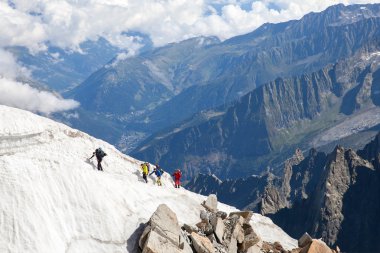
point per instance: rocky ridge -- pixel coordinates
(217, 232)
(332, 196)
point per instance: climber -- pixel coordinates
(158, 171)
(177, 177)
(99, 153)
(145, 171)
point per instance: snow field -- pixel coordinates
(53, 199)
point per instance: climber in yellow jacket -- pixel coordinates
(145, 171)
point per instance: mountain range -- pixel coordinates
(263, 127)
(186, 104)
(206, 105)
(164, 86)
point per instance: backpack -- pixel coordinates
(178, 174)
(100, 153)
(148, 167)
(159, 170)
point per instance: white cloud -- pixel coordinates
(67, 23)
(20, 29)
(120, 57)
(9, 67)
(23, 96)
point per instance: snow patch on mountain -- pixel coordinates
(370, 56)
(54, 200)
(352, 125)
(216, 178)
(265, 226)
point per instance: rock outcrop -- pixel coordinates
(163, 234)
(211, 203)
(215, 233)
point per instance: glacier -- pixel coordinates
(54, 200)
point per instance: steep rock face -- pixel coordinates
(334, 197)
(361, 207)
(277, 116)
(344, 200)
(246, 128)
(275, 197)
(340, 174)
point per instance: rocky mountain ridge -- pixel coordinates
(264, 125)
(333, 196)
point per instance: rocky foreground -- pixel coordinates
(217, 232)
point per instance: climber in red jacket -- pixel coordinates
(177, 178)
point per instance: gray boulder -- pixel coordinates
(232, 246)
(165, 222)
(144, 236)
(254, 249)
(317, 246)
(211, 203)
(250, 238)
(213, 218)
(163, 233)
(156, 243)
(238, 233)
(202, 244)
(204, 216)
(219, 230)
(305, 240)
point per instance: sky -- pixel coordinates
(68, 23)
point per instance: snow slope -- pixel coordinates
(54, 200)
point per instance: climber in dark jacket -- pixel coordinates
(99, 153)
